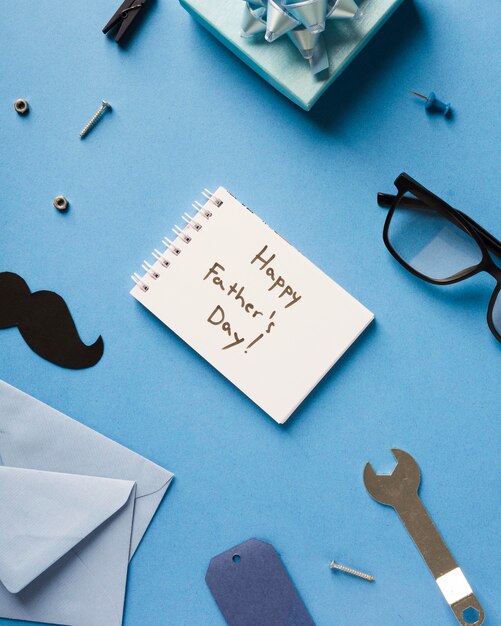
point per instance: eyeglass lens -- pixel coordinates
(431, 244)
(496, 313)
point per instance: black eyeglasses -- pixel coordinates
(438, 243)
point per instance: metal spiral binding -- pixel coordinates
(150, 270)
(181, 235)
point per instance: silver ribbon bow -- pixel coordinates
(302, 20)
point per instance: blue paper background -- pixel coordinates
(425, 377)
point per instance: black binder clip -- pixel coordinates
(124, 17)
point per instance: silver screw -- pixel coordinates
(349, 570)
(94, 119)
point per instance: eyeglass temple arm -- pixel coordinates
(387, 199)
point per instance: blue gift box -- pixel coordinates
(280, 63)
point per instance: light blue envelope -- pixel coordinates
(74, 507)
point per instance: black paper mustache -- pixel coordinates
(45, 323)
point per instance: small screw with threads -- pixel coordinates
(349, 570)
(94, 119)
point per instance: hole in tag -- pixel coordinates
(236, 558)
(471, 615)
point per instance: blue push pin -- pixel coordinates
(433, 103)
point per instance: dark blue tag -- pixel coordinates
(252, 587)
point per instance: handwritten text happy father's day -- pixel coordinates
(286, 295)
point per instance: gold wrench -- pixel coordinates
(400, 491)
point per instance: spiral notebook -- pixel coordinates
(248, 302)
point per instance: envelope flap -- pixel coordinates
(34, 435)
(43, 515)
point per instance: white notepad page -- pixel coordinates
(253, 306)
